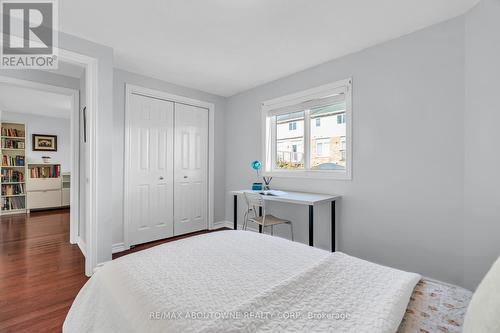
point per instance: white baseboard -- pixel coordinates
(254, 229)
(444, 283)
(230, 225)
(98, 266)
(118, 247)
(223, 224)
(83, 247)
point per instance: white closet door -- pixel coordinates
(150, 173)
(191, 166)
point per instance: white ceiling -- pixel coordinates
(228, 46)
(26, 100)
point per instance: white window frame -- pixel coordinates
(290, 103)
(319, 144)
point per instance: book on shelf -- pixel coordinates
(12, 144)
(12, 189)
(12, 132)
(17, 160)
(12, 176)
(53, 171)
(12, 203)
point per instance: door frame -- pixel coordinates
(90, 65)
(75, 147)
(134, 89)
(88, 247)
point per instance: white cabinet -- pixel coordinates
(44, 199)
(46, 186)
(66, 186)
(43, 184)
(65, 197)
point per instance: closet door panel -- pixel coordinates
(150, 169)
(191, 167)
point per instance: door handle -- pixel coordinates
(161, 177)
(185, 177)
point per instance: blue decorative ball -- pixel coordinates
(256, 165)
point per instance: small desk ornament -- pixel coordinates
(257, 165)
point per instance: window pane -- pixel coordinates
(290, 141)
(328, 145)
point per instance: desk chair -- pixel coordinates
(254, 203)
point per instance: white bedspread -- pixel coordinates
(232, 281)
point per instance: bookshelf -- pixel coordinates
(13, 171)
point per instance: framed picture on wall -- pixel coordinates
(44, 142)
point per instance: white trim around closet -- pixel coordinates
(133, 89)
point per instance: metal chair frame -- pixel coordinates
(255, 202)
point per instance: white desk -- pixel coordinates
(299, 198)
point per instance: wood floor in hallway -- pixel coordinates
(40, 271)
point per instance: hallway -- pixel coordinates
(40, 271)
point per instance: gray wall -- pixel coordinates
(45, 125)
(403, 207)
(103, 136)
(104, 55)
(482, 140)
(43, 77)
(120, 79)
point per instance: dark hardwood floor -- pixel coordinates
(161, 241)
(41, 272)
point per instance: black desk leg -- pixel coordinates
(311, 225)
(260, 214)
(235, 212)
(333, 226)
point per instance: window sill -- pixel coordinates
(309, 174)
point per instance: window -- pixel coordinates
(341, 118)
(319, 148)
(322, 148)
(290, 144)
(308, 134)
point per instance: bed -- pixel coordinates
(239, 281)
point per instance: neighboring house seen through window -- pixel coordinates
(311, 134)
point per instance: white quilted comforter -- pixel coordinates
(238, 281)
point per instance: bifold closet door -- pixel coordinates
(150, 173)
(191, 166)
